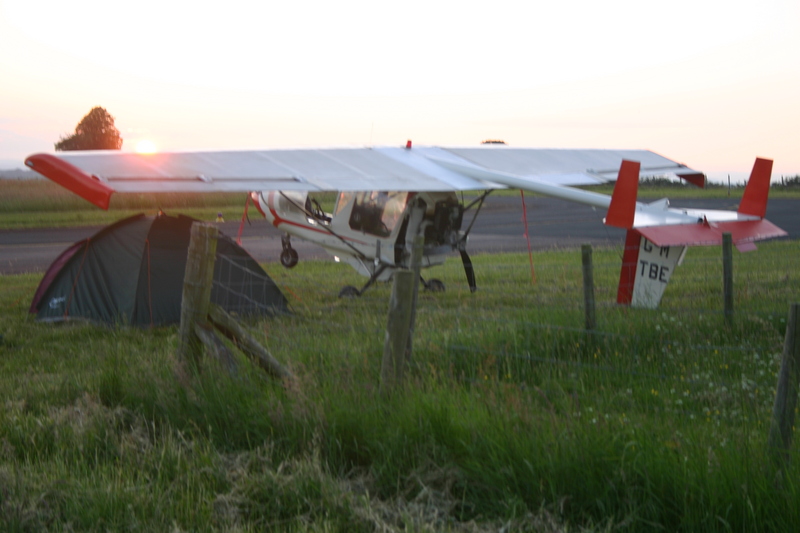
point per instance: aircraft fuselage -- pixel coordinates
(368, 229)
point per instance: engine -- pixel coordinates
(446, 222)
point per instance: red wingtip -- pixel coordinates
(72, 178)
(754, 200)
(622, 210)
(698, 179)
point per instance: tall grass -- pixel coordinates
(513, 416)
(42, 203)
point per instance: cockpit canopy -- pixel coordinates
(374, 212)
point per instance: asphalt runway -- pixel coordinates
(552, 223)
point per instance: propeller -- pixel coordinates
(461, 243)
(468, 270)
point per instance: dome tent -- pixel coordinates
(131, 272)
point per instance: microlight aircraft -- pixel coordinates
(389, 195)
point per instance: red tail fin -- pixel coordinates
(622, 210)
(627, 275)
(754, 200)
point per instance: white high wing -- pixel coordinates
(388, 195)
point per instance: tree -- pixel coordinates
(95, 131)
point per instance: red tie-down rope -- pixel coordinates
(527, 236)
(241, 225)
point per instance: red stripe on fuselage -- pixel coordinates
(277, 220)
(254, 197)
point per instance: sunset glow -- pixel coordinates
(145, 146)
(711, 83)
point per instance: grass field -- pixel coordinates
(513, 418)
(42, 203)
(46, 204)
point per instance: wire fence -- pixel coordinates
(241, 287)
(764, 284)
(682, 358)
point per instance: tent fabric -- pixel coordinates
(131, 272)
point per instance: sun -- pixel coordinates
(145, 146)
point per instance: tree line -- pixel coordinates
(95, 131)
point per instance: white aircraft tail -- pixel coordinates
(658, 235)
(646, 270)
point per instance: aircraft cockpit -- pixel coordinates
(373, 212)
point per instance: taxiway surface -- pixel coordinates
(552, 223)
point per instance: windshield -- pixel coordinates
(376, 212)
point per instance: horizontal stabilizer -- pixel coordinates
(706, 234)
(72, 178)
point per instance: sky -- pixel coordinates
(709, 83)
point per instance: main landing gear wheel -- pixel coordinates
(349, 292)
(289, 258)
(434, 285)
(289, 254)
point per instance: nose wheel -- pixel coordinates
(289, 254)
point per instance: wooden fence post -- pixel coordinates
(780, 431)
(397, 329)
(727, 274)
(588, 285)
(228, 326)
(416, 267)
(397, 347)
(196, 298)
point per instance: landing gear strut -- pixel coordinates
(348, 291)
(433, 285)
(351, 292)
(289, 254)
